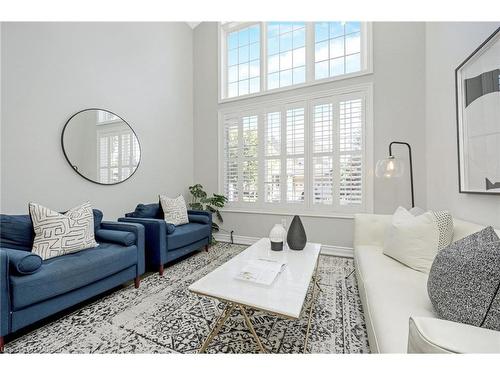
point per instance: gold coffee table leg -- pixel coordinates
(218, 325)
(311, 306)
(250, 327)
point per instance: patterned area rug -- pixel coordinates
(162, 316)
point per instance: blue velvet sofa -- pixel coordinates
(32, 289)
(167, 242)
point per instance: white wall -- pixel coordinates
(398, 115)
(141, 71)
(447, 45)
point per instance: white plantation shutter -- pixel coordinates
(231, 159)
(351, 152)
(307, 154)
(250, 162)
(295, 149)
(322, 173)
(272, 162)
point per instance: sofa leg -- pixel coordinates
(206, 248)
(161, 270)
(2, 343)
(137, 282)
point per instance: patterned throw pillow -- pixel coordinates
(174, 209)
(59, 234)
(415, 240)
(464, 280)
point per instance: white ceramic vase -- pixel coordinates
(277, 237)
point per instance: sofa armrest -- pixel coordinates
(200, 213)
(431, 335)
(4, 294)
(22, 262)
(138, 231)
(116, 236)
(369, 229)
(155, 231)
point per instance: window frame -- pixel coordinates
(224, 28)
(308, 100)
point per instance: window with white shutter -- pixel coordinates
(299, 155)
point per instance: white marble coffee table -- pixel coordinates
(284, 297)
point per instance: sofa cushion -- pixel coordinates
(59, 234)
(464, 280)
(97, 219)
(391, 292)
(69, 272)
(23, 262)
(187, 234)
(116, 236)
(147, 211)
(16, 232)
(174, 210)
(415, 240)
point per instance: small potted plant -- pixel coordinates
(201, 201)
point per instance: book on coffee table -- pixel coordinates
(261, 271)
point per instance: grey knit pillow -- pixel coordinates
(464, 280)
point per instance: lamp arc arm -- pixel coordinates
(411, 166)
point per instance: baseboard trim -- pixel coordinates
(339, 251)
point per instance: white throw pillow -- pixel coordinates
(415, 240)
(174, 210)
(58, 234)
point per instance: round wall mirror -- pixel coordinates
(101, 146)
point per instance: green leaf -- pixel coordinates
(219, 216)
(196, 206)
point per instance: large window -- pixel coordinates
(268, 56)
(304, 154)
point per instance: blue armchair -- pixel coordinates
(32, 289)
(167, 242)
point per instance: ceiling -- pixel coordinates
(193, 24)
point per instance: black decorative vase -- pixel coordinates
(296, 237)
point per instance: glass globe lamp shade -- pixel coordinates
(389, 168)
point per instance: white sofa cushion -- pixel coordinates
(59, 234)
(391, 293)
(415, 240)
(174, 210)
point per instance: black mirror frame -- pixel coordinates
(76, 169)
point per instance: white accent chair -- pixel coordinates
(398, 313)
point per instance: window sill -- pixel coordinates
(296, 87)
(333, 215)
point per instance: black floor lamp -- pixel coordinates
(393, 167)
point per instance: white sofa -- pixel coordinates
(398, 313)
